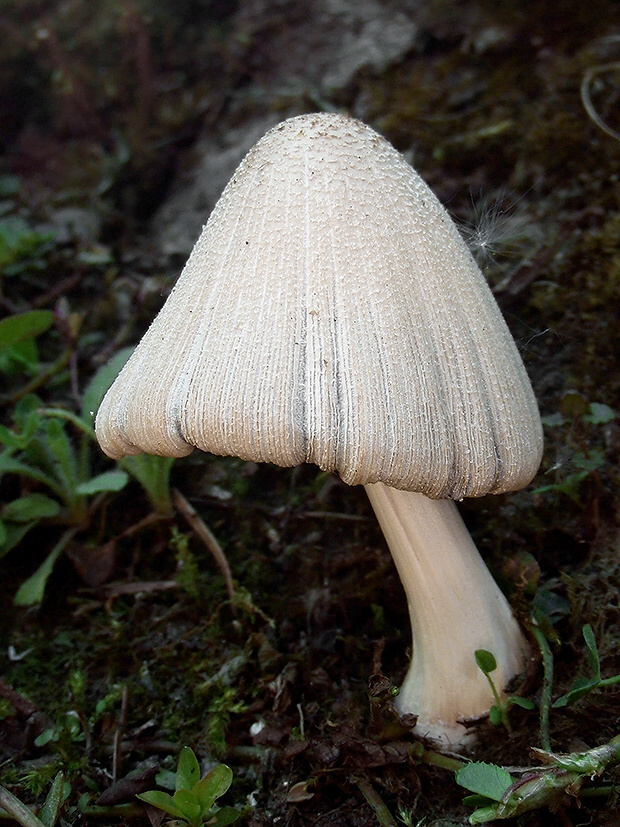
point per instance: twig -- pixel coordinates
(25, 707)
(110, 590)
(151, 518)
(150, 747)
(333, 515)
(59, 289)
(200, 529)
(118, 735)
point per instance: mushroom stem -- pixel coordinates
(455, 607)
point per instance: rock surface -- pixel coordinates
(311, 49)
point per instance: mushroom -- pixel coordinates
(331, 313)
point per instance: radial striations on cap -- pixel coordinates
(331, 313)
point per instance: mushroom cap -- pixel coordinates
(331, 313)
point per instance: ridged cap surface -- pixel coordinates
(331, 313)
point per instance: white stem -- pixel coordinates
(455, 607)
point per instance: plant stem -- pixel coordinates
(61, 413)
(17, 810)
(598, 792)
(500, 705)
(547, 687)
(373, 798)
(437, 759)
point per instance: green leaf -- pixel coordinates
(48, 735)
(593, 658)
(14, 534)
(188, 804)
(475, 800)
(592, 762)
(101, 381)
(22, 326)
(62, 449)
(582, 686)
(27, 415)
(20, 357)
(484, 815)
(32, 590)
(153, 474)
(524, 703)
(8, 438)
(594, 460)
(8, 465)
(9, 185)
(553, 420)
(495, 715)
(51, 807)
(166, 779)
(162, 801)
(485, 779)
(30, 507)
(108, 481)
(215, 783)
(20, 813)
(485, 660)
(188, 770)
(227, 815)
(19, 246)
(599, 414)
(552, 606)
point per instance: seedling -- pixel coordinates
(38, 447)
(498, 714)
(63, 734)
(499, 793)
(50, 448)
(194, 797)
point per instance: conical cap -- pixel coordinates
(331, 313)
